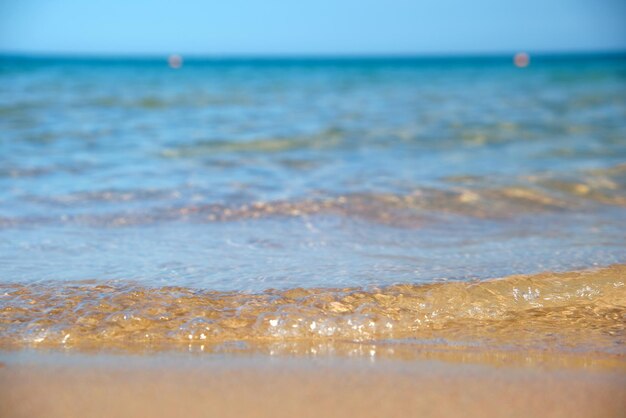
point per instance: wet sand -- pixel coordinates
(286, 387)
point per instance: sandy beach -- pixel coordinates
(283, 387)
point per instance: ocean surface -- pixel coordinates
(285, 199)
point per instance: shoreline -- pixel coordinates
(548, 344)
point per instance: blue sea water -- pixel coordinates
(248, 174)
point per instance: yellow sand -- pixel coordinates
(304, 388)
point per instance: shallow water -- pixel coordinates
(371, 177)
(567, 311)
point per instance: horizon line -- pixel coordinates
(304, 56)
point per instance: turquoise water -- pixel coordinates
(245, 174)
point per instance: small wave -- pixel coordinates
(466, 196)
(409, 210)
(573, 310)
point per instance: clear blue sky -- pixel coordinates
(310, 27)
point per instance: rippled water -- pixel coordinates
(248, 175)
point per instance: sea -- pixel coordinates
(305, 205)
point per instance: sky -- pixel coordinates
(310, 27)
